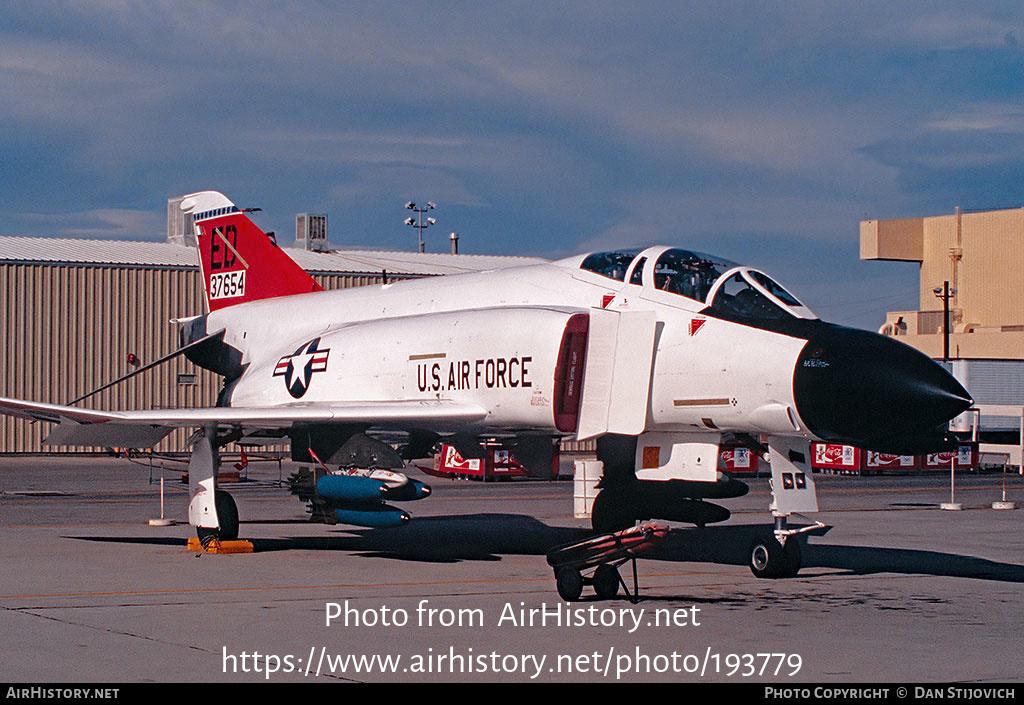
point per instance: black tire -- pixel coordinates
(794, 560)
(606, 581)
(227, 516)
(613, 511)
(570, 583)
(768, 559)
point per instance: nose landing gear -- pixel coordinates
(771, 559)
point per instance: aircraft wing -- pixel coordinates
(143, 429)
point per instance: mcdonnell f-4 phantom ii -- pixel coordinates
(658, 354)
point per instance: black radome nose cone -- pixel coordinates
(857, 387)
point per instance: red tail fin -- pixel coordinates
(240, 262)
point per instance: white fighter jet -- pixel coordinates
(657, 353)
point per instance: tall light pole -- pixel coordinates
(418, 221)
(945, 293)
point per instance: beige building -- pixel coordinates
(981, 255)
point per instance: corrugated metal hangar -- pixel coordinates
(80, 313)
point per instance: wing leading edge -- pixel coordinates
(143, 429)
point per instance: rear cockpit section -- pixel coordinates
(682, 272)
(613, 265)
(689, 274)
(727, 288)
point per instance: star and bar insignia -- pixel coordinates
(298, 368)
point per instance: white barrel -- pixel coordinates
(586, 475)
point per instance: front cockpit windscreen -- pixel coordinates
(750, 294)
(774, 289)
(738, 297)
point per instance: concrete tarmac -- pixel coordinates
(897, 592)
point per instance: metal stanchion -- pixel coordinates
(161, 521)
(952, 504)
(1003, 504)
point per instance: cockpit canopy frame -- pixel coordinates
(725, 287)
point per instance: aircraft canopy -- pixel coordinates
(725, 286)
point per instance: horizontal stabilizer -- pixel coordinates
(106, 435)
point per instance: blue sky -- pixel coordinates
(763, 132)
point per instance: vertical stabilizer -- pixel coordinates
(239, 262)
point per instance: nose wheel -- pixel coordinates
(770, 559)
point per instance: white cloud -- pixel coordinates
(964, 29)
(684, 219)
(99, 223)
(983, 117)
(400, 181)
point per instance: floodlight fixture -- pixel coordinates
(418, 222)
(945, 293)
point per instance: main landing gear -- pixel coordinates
(211, 510)
(227, 514)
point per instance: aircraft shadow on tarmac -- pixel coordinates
(486, 537)
(728, 545)
(440, 539)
